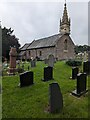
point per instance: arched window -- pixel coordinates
(40, 54)
(65, 44)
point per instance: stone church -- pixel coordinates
(59, 45)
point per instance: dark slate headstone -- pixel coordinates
(81, 85)
(75, 71)
(56, 99)
(33, 63)
(86, 67)
(26, 79)
(48, 73)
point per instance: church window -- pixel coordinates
(65, 44)
(29, 53)
(40, 54)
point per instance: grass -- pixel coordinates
(31, 102)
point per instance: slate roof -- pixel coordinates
(44, 42)
(25, 46)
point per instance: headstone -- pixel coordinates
(86, 67)
(81, 85)
(75, 71)
(51, 61)
(26, 79)
(88, 55)
(46, 61)
(85, 56)
(33, 63)
(56, 99)
(48, 73)
(13, 55)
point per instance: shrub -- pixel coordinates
(74, 62)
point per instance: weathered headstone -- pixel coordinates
(13, 55)
(86, 67)
(26, 79)
(75, 71)
(81, 85)
(56, 99)
(48, 73)
(33, 63)
(85, 56)
(88, 55)
(46, 61)
(51, 61)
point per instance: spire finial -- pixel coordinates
(65, 2)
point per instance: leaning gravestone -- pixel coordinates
(86, 67)
(51, 61)
(48, 73)
(81, 85)
(33, 63)
(75, 71)
(56, 99)
(26, 79)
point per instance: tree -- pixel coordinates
(8, 40)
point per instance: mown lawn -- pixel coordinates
(31, 102)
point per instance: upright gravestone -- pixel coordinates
(51, 61)
(88, 55)
(46, 61)
(56, 99)
(33, 63)
(81, 85)
(85, 56)
(86, 67)
(48, 73)
(26, 79)
(75, 71)
(13, 55)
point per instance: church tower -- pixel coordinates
(65, 22)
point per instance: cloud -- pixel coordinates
(33, 20)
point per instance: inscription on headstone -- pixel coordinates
(26, 79)
(48, 73)
(56, 99)
(88, 55)
(81, 85)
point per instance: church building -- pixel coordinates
(59, 45)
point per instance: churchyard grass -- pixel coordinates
(32, 101)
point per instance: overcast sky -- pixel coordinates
(34, 20)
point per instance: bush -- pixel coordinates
(20, 70)
(74, 63)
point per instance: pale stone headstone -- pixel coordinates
(51, 61)
(55, 99)
(33, 63)
(85, 56)
(88, 55)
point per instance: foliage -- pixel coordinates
(8, 40)
(31, 102)
(74, 62)
(82, 49)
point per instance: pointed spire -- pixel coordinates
(65, 21)
(65, 14)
